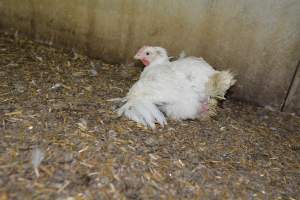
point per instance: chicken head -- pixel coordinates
(149, 55)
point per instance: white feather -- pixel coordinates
(36, 159)
(182, 55)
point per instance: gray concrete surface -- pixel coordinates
(258, 40)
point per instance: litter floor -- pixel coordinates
(61, 138)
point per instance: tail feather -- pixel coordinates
(182, 55)
(219, 83)
(143, 112)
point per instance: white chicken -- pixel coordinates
(181, 89)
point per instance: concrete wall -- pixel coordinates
(259, 40)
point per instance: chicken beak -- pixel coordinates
(137, 57)
(142, 59)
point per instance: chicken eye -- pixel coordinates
(147, 53)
